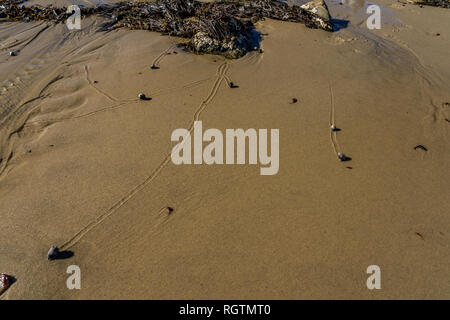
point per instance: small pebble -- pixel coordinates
(53, 253)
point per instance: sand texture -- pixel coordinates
(85, 165)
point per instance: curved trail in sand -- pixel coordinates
(220, 76)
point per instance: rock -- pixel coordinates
(225, 36)
(53, 253)
(5, 282)
(233, 49)
(203, 43)
(321, 14)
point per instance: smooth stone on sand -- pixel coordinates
(53, 253)
(5, 282)
(322, 15)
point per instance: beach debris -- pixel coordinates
(220, 27)
(154, 67)
(343, 157)
(349, 168)
(13, 53)
(420, 147)
(334, 128)
(53, 253)
(446, 104)
(294, 100)
(169, 210)
(5, 282)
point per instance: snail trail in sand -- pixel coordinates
(224, 27)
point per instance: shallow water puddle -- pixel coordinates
(355, 12)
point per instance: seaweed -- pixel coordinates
(434, 3)
(222, 27)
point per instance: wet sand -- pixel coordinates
(85, 164)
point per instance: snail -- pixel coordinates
(5, 282)
(142, 96)
(343, 157)
(53, 253)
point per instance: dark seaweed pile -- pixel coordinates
(435, 3)
(223, 21)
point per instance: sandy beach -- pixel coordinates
(86, 165)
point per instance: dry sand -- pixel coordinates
(81, 152)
